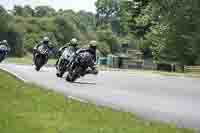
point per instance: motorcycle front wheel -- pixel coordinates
(2, 57)
(39, 62)
(71, 78)
(74, 75)
(61, 69)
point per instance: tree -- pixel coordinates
(111, 40)
(4, 18)
(134, 17)
(2, 10)
(87, 21)
(42, 11)
(15, 41)
(25, 11)
(107, 14)
(184, 21)
(18, 11)
(29, 11)
(106, 10)
(65, 30)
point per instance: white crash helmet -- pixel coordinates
(74, 41)
(93, 44)
(45, 39)
(4, 41)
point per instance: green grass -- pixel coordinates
(193, 75)
(25, 60)
(177, 74)
(26, 108)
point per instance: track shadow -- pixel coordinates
(84, 83)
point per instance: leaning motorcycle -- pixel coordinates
(63, 63)
(80, 66)
(41, 57)
(3, 52)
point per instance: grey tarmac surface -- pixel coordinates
(151, 96)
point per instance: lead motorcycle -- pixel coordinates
(3, 52)
(62, 66)
(41, 57)
(80, 66)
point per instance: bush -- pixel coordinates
(108, 38)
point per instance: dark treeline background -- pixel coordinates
(164, 30)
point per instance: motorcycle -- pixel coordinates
(41, 57)
(62, 65)
(3, 52)
(80, 66)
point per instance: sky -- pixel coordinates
(76, 5)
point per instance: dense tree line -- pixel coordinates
(24, 26)
(166, 30)
(9, 32)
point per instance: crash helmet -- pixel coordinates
(74, 42)
(93, 44)
(46, 40)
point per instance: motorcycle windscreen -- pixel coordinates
(67, 53)
(42, 49)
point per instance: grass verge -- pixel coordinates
(25, 60)
(26, 108)
(141, 71)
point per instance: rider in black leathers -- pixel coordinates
(92, 50)
(5, 47)
(72, 45)
(5, 43)
(44, 42)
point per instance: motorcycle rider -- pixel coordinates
(5, 44)
(72, 45)
(4, 49)
(92, 50)
(44, 42)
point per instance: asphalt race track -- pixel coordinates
(152, 96)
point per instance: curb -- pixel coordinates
(14, 74)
